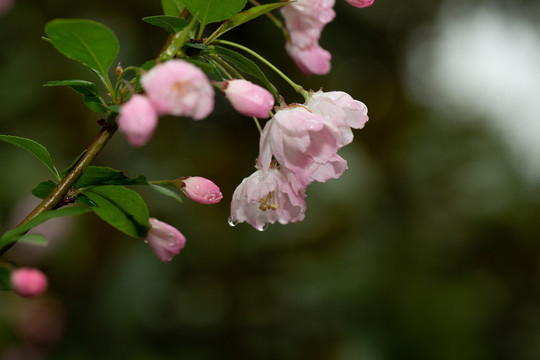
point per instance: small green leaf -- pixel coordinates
(43, 189)
(100, 175)
(177, 42)
(122, 208)
(84, 200)
(245, 16)
(208, 11)
(172, 24)
(247, 66)
(34, 238)
(5, 283)
(72, 165)
(164, 191)
(33, 147)
(13, 235)
(95, 104)
(85, 41)
(83, 87)
(172, 7)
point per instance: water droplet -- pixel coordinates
(264, 227)
(232, 222)
(145, 241)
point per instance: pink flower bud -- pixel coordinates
(360, 3)
(249, 99)
(201, 190)
(28, 282)
(138, 120)
(165, 240)
(179, 88)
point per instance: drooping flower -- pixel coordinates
(340, 113)
(138, 120)
(311, 59)
(249, 99)
(165, 240)
(296, 137)
(28, 282)
(305, 20)
(266, 196)
(200, 190)
(179, 88)
(361, 3)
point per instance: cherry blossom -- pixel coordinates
(28, 282)
(361, 3)
(200, 190)
(266, 196)
(179, 88)
(138, 120)
(165, 240)
(249, 99)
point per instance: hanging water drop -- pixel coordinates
(232, 222)
(264, 227)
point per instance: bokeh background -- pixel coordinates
(427, 248)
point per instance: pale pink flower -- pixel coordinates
(138, 120)
(320, 172)
(200, 190)
(28, 282)
(296, 138)
(179, 88)
(311, 59)
(266, 196)
(360, 3)
(340, 113)
(249, 99)
(165, 240)
(305, 20)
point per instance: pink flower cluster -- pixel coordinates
(175, 87)
(305, 20)
(303, 140)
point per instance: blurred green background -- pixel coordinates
(426, 248)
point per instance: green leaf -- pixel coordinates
(34, 238)
(13, 235)
(43, 189)
(245, 16)
(247, 66)
(203, 65)
(85, 41)
(122, 208)
(177, 42)
(95, 104)
(72, 165)
(172, 7)
(164, 191)
(84, 200)
(172, 24)
(99, 175)
(83, 87)
(33, 147)
(5, 283)
(208, 11)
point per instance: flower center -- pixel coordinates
(266, 202)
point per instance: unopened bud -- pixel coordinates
(28, 282)
(200, 190)
(249, 99)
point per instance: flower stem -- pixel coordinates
(52, 201)
(296, 87)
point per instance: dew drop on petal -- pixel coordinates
(232, 222)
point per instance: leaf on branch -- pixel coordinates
(172, 24)
(85, 41)
(83, 87)
(101, 175)
(167, 192)
(172, 7)
(208, 11)
(13, 235)
(245, 16)
(34, 238)
(122, 208)
(95, 104)
(246, 66)
(34, 148)
(43, 189)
